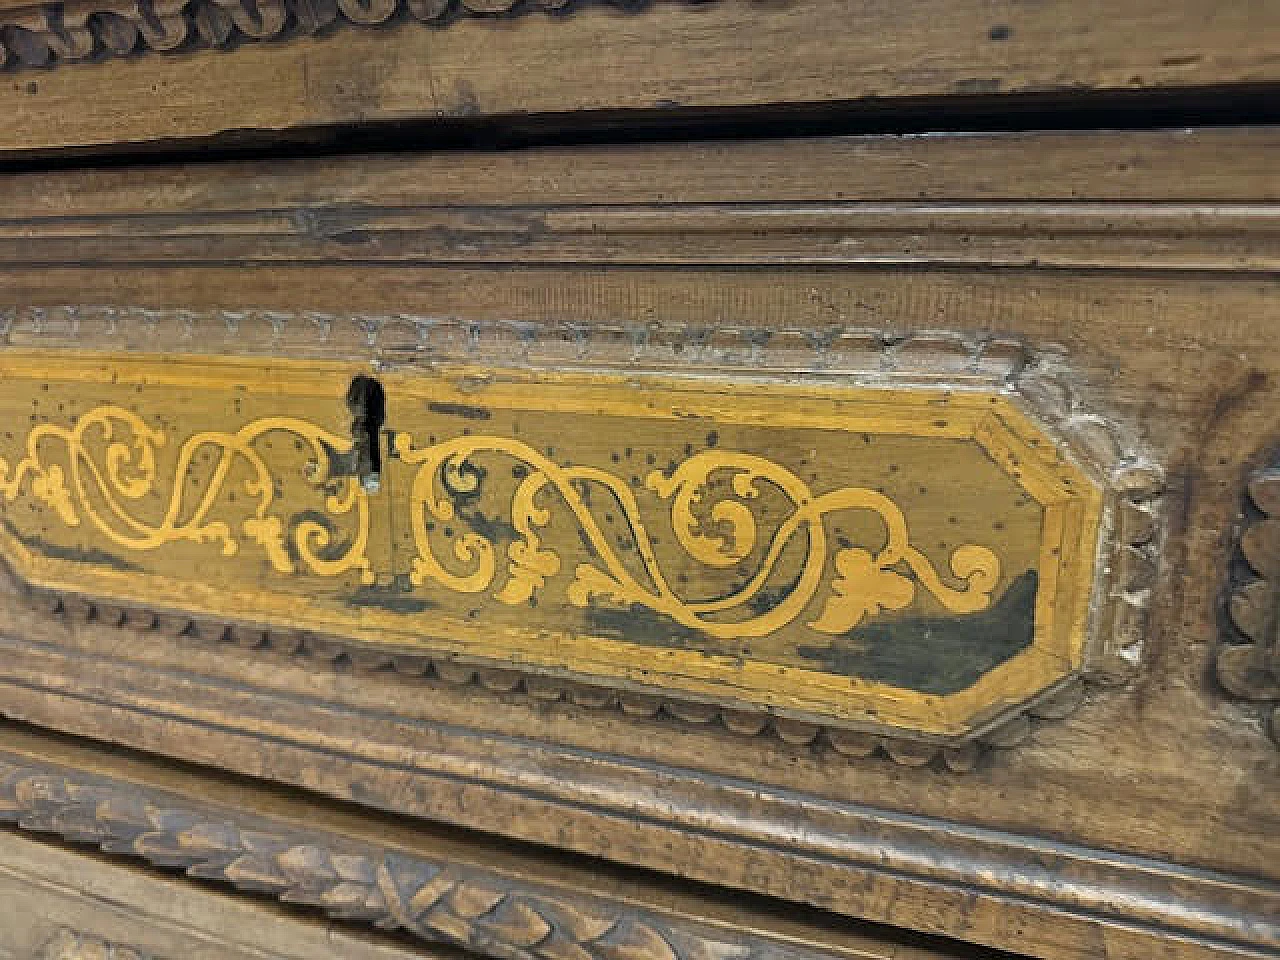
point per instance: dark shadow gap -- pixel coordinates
(1174, 108)
(368, 405)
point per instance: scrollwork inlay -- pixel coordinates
(109, 462)
(866, 582)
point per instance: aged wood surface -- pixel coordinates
(63, 903)
(437, 887)
(600, 58)
(1158, 794)
(52, 35)
(75, 30)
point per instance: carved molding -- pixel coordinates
(1134, 484)
(87, 30)
(1249, 665)
(504, 903)
(488, 912)
(1012, 728)
(1036, 234)
(278, 226)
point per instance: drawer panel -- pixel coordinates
(833, 311)
(919, 559)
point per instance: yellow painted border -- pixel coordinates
(1072, 516)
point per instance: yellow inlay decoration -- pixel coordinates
(866, 584)
(101, 491)
(914, 558)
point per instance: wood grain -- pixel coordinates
(1249, 664)
(1156, 236)
(436, 887)
(70, 905)
(660, 56)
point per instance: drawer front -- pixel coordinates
(708, 509)
(917, 560)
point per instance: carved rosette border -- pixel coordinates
(434, 900)
(52, 34)
(1132, 480)
(1248, 664)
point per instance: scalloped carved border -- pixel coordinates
(1134, 483)
(53, 34)
(1248, 665)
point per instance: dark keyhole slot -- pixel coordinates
(368, 404)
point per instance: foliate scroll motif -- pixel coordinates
(94, 471)
(909, 559)
(1251, 669)
(865, 582)
(97, 471)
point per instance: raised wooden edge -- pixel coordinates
(1248, 663)
(51, 34)
(510, 902)
(1128, 552)
(1166, 236)
(601, 66)
(1193, 202)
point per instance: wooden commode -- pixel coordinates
(660, 481)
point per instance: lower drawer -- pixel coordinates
(64, 905)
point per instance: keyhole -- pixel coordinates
(368, 405)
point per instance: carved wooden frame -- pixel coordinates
(495, 906)
(46, 671)
(1127, 550)
(510, 905)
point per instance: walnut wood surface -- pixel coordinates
(436, 887)
(599, 58)
(1158, 793)
(1250, 669)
